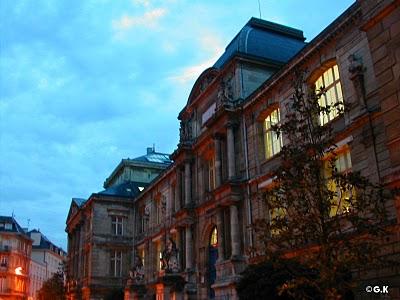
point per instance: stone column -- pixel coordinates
(217, 144)
(231, 152)
(188, 183)
(178, 190)
(235, 236)
(220, 230)
(188, 247)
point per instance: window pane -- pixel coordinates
(336, 72)
(272, 144)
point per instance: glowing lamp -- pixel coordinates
(18, 271)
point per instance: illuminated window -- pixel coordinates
(117, 225)
(272, 143)
(340, 201)
(276, 215)
(141, 254)
(330, 82)
(214, 237)
(116, 263)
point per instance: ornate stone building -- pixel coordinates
(100, 229)
(15, 254)
(205, 203)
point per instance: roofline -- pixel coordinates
(276, 27)
(155, 181)
(236, 58)
(308, 50)
(135, 163)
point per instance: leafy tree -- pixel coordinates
(53, 288)
(328, 220)
(260, 281)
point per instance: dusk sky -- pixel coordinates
(84, 84)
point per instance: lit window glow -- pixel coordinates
(330, 82)
(272, 142)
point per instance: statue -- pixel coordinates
(169, 257)
(185, 131)
(137, 272)
(225, 93)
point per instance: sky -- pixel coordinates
(85, 83)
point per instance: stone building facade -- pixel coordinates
(15, 253)
(205, 203)
(100, 229)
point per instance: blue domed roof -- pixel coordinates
(265, 40)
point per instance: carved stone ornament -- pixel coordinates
(185, 131)
(356, 70)
(169, 258)
(136, 274)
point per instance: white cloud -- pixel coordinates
(149, 20)
(208, 42)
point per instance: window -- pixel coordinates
(211, 174)
(116, 263)
(117, 225)
(330, 82)
(214, 237)
(4, 261)
(276, 216)
(340, 201)
(141, 254)
(272, 143)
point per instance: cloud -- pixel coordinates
(208, 42)
(148, 20)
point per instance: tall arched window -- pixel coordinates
(214, 237)
(272, 142)
(330, 82)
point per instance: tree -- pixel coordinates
(53, 288)
(327, 219)
(260, 281)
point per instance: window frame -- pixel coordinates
(116, 263)
(340, 204)
(332, 93)
(272, 144)
(117, 225)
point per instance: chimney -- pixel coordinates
(149, 150)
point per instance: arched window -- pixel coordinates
(214, 237)
(272, 143)
(329, 81)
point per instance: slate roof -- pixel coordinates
(127, 189)
(151, 159)
(79, 201)
(154, 157)
(14, 228)
(45, 243)
(265, 40)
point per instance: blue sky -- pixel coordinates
(84, 84)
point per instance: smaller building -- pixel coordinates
(47, 259)
(15, 253)
(100, 229)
